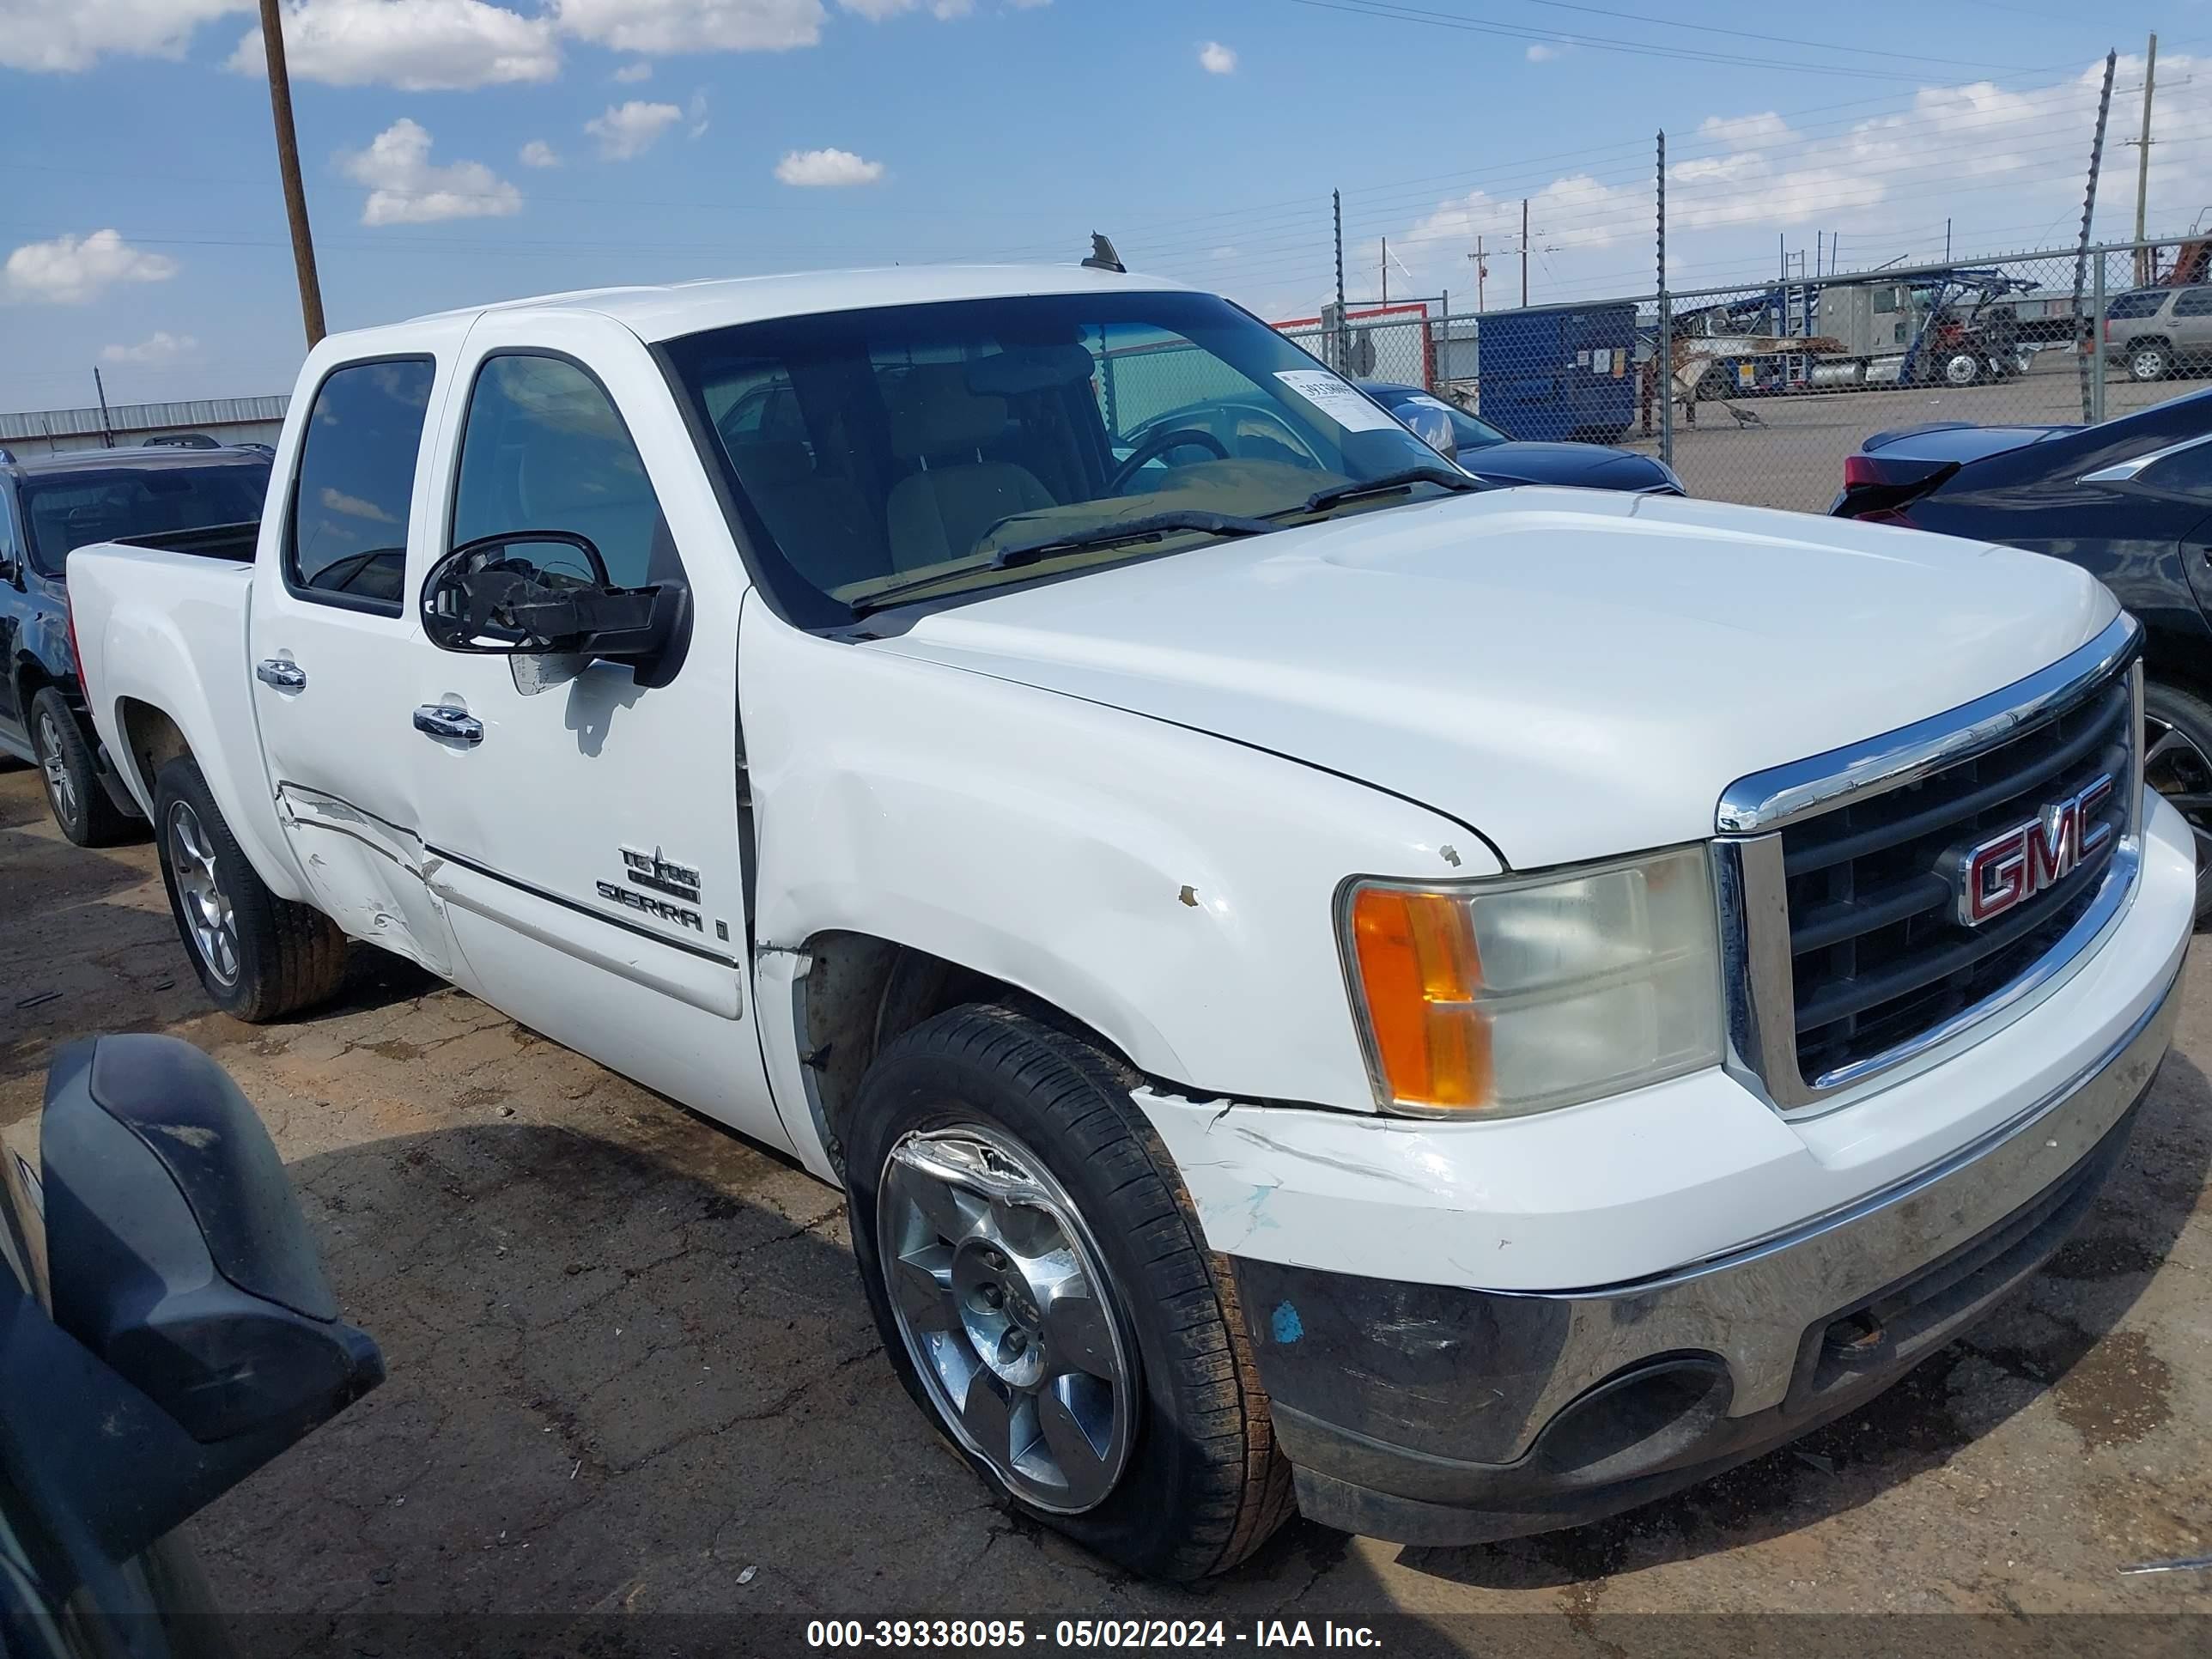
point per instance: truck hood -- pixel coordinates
(1574, 675)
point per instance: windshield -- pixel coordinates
(73, 509)
(873, 451)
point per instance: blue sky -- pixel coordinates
(142, 227)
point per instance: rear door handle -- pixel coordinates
(281, 673)
(441, 719)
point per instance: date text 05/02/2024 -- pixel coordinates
(1085, 1633)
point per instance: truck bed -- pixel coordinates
(233, 542)
(161, 634)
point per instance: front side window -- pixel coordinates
(2143, 302)
(544, 449)
(930, 450)
(2194, 302)
(73, 509)
(347, 541)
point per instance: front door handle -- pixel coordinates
(442, 719)
(281, 673)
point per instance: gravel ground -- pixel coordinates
(634, 1386)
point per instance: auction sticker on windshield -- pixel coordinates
(1335, 398)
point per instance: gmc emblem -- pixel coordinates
(2007, 870)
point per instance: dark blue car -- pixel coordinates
(1495, 458)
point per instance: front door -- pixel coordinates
(583, 827)
(332, 648)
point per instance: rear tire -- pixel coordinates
(258, 957)
(2149, 361)
(75, 793)
(1181, 1478)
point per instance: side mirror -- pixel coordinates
(1432, 424)
(542, 592)
(205, 1338)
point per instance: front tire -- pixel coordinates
(75, 793)
(1961, 368)
(1046, 1295)
(258, 957)
(2178, 763)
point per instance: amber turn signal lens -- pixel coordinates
(1419, 972)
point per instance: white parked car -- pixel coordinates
(1459, 1012)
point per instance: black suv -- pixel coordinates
(48, 505)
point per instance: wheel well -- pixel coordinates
(861, 992)
(2143, 340)
(30, 680)
(153, 738)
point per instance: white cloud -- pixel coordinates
(354, 506)
(826, 168)
(539, 154)
(1217, 59)
(416, 45)
(1544, 52)
(630, 73)
(156, 348)
(944, 11)
(61, 36)
(70, 270)
(405, 189)
(626, 131)
(667, 27)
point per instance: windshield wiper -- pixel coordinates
(1437, 473)
(1014, 554)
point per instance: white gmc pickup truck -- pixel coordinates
(1455, 1011)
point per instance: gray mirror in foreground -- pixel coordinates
(178, 1261)
(1432, 423)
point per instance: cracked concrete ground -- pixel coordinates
(630, 1361)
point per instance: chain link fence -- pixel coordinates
(1772, 385)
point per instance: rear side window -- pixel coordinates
(2193, 303)
(2186, 472)
(346, 543)
(2143, 302)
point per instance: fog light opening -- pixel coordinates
(1641, 1420)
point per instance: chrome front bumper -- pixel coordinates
(1431, 1414)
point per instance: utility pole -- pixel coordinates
(1524, 253)
(1386, 270)
(287, 164)
(1662, 348)
(1481, 272)
(2089, 349)
(2143, 274)
(106, 425)
(1946, 238)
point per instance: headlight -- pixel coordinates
(1525, 994)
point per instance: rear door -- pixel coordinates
(2192, 323)
(335, 649)
(583, 829)
(14, 605)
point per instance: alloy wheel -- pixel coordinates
(2179, 771)
(1003, 1304)
(210, 921)
(61, 787)
(2147, 365)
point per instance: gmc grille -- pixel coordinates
(1879, 954)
